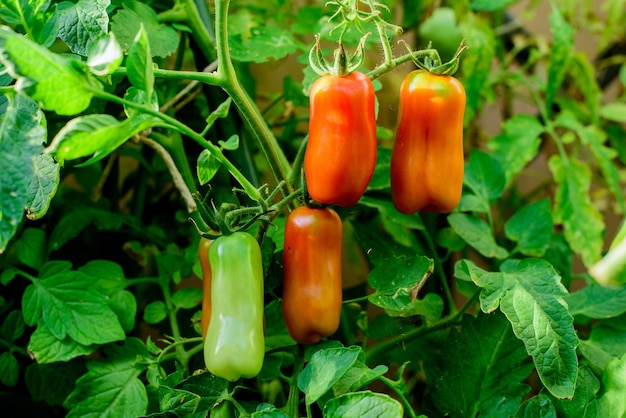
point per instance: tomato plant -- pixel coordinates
(464, 255)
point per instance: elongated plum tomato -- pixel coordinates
(203, 256)
(234, 345)
(312, 295)
(340, 155)
(427, 156)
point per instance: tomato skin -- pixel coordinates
(203, 256)
(234, 346)
(340, 154)
(427, 156)
(312, 291)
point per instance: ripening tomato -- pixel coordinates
(203, 256)
(427, 156)
(340, 154)
(312, 296)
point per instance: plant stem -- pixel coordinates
(293, 402)
(405, 402)
(249, 111)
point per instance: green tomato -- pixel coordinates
(441, 29)
(235, 343)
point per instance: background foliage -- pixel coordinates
(115, 126)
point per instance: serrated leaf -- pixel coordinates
(582, 223)
(560, 54)
(598, 302)
(264, 43)
(531, 227)
(477, 234)
(587, 386)
(22, 134)
(363, 405)
(40, 24)
(67, 304)
(112, 384)
(126, 22)
(582, 70)
(47, 349)
(55, 82)
(82, 22)
(517, 145)
(493, 363)
(529, 292)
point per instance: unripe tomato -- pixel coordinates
(312, 295)
(427, 156)
(340, 155)
(234, 346)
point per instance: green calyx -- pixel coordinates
(429, 60)
(341, 64)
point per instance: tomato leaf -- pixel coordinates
(57, 83)
(594, 301)
(484, 175)
(477, 233)
(560, 54)
(582, 223)
(481, 350)
(82, 22)
(529, 292)
(139, 64)
(364, 404)
(46, 348)
(263, 43)
(612, 401)
(112, 384)
(531, 227)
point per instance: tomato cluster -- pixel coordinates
(426, 175)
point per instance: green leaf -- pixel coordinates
(13, 326)
(602, 346)
(9, 369)
(612, 402)
(231, 144)
(67, 303)
(263, 43)
(155, 312)
(125, 24)
(324, 369)
(40, 24)
(614, 111)
(55, 82)
(364, 404)
(560, 54)
(539, 406)
(582, 223)
(531, 227)
(587, 386)
(112, 384)
(268, 411)
(583, 71)
(210, 390)
(517, 145)
(48, 349)
(386, 208)
(96, 135)
(489, 5)
(52, 383)
(43, 186)
(595, 301)
(31, 247)
(76, 220)
(381, 179)
(477, 234)
(105, 55)
(219, 113)
(187, 298)
(476, 62)
(139, 64)
(531, 295)
(484, 175)
(207, 166)
(493, 363)
(82, 22)
(22, 134)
